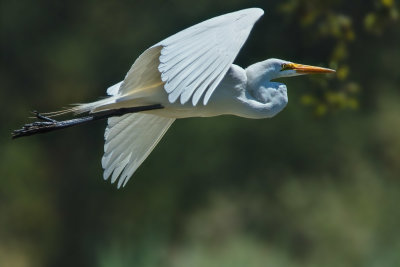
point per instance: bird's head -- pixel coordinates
(280, 68)
(273, 68)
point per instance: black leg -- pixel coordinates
(43, 118)
(47, 124)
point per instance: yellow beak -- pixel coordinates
(305, 69)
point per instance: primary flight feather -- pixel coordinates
(189, 74)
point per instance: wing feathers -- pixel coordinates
(180, 74)
(217, 40)
(191, 64)
(193, 85)
(129, 140)
(207, 84)
(184, 78)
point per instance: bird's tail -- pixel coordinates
(83, 108)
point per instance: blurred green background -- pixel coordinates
(318, 185)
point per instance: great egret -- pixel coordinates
(189, 74)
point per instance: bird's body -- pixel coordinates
(190, 74)
(232, 96)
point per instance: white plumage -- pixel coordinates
(128, 141)
(195, 60)
(191, 64)
(176, 74)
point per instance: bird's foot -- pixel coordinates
(43, 125)
(43, 118)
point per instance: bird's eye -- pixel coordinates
(284, 67)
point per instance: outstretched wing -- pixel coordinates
(194, 61)
(128, 141)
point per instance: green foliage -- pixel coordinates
(289, 191)
(333, 20)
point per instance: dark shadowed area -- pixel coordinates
(318, 185)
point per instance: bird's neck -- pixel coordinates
(259, 73)
(239, 95)
(262, 98)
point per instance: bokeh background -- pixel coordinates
(318, 185)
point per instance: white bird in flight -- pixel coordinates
(189, 74)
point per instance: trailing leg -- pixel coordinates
(46, 124)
